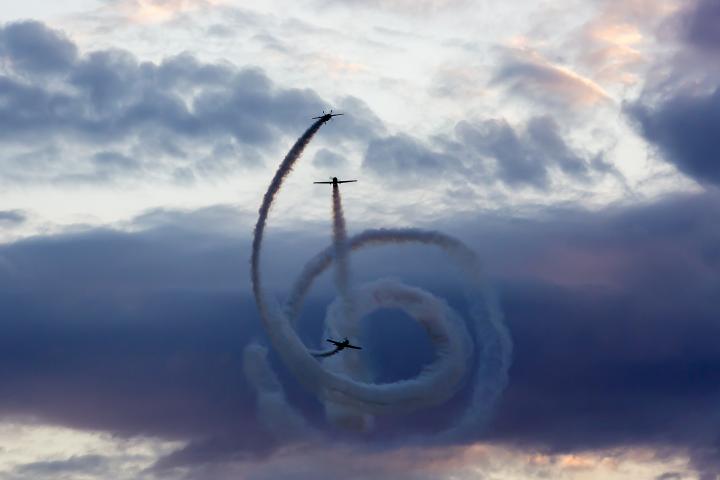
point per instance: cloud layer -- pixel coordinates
(136, 333)
(119, 116)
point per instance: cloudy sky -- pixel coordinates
(570, 143)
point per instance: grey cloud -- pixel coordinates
(516, 163)
(702, 20)
(678, 111)
(271, 42)
(402, 157)
(543, 133)
(487, 150)
(12, 217)
(221, 31)
(329, 160)
(78, 465)
(109, 100)
(33, 48)
(685, 128)
(359, 122)
(220, 220)
(114, 161)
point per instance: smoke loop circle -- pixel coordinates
(335, 383)
(339, 382)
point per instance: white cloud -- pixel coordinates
(32, 451)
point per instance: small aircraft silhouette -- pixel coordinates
(342, 345)
(335, 181)
(338, 347)
(327, 116)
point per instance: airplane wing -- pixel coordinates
(345, 181)
(333, 341)
(337, 114)
(353, 346)
(315, 118)
(329, 183)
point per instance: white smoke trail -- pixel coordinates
(283, 171)
(342, 381)
(492, 340)
(351, 363)
(273, 409)
(342, 265)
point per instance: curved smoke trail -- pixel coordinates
(343, 382)
(283, 170)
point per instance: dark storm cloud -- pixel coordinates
(94, 340)
(702, 20)
(112, 98)
(678, 111)
(677, 114)
(685, 128)
(611, 323)
(486, 150)
(613, 314)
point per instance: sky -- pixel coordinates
(570, 144)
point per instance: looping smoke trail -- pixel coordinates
(342, 381)
(492, 340)
(273, 409)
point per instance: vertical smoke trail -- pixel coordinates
(342, 268)
(342, 264)
(350, 363)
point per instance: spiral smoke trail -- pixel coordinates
(342, 381)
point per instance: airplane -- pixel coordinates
(327, 116)
(338, 347)
(343, 345)
(335, 181)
